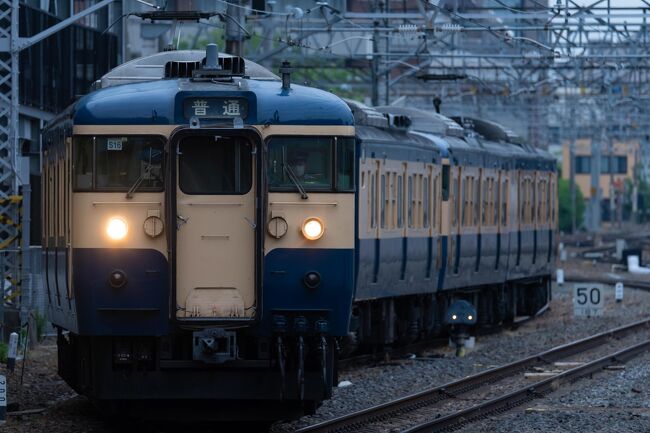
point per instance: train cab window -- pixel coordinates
(117, 163)
(344, 163)
(307, 159)
(311, 160)
(221, 167)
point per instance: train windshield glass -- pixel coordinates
(115, 163)
(311, 159)
(210, 166)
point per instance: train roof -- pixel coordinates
(424, 121)
(141, 93)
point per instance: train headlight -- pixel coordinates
(313, 229)
(116, 229)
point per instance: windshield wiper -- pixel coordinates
(139, 180)
(294, 179)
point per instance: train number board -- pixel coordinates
(588, 299)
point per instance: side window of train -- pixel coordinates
(504, 202)
(419, 214)
(425, 202)
(409, 197)
(434, 202)
(393, 200)
(549, 203)
(373, 201)
(453, 202)
(485, 203)
(476, 202)
(445, 182)
(463, 202)
(382, 218)
(400, 201)
(522, 198)
(534, 203)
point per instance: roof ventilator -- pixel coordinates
(212, 67)
(489, 130)
(398, 121)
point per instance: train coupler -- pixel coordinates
(214, 346)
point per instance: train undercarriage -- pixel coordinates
(390, 322)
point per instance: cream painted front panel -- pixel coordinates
(335, 210)
(91, 212)
(215, 259)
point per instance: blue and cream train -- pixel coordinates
(214, 235)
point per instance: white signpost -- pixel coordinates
(618, 291)
(588, 299)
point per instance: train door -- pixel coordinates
(217, 247)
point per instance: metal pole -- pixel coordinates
(374, 70)
(572, 175)
(234, 24)
(594, 200)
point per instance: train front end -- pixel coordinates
(199, 239)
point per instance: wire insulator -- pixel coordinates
(450, 28)
(407, 28)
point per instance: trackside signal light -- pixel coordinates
(116, 229)
(313, 229)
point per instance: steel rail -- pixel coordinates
(385, 411)
(527, 393)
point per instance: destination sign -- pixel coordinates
(216, 108)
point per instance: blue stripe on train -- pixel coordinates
(140, 308)
(285, 293)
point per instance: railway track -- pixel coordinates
(401, 411)
(392, 354)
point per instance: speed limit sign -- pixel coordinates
(588, 299)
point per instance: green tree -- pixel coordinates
(564, 199)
